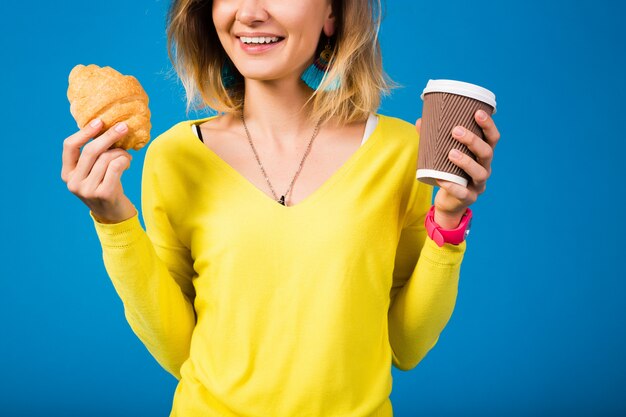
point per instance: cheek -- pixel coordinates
(223, 15)
(304, 24)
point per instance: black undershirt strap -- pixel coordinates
(199, 133)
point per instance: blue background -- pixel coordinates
(539, 326)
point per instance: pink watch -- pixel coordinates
(453, 236)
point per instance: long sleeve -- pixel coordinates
(151, 272)
(425, 283)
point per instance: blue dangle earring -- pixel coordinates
(315, 72)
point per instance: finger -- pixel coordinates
(418, 125)
(476, 171)
(113, 176)
(96, 175)
(95, 148)
(492, 135)
(72, 145)
(481, 149)
(464, 194)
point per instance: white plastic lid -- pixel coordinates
(461, 88)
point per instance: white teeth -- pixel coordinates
(261, 39)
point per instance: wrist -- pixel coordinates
(448, 221)
(117, 217)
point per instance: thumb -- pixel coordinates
(418, 125)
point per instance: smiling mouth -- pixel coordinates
(260, 40)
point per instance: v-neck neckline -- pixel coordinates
(309, 199)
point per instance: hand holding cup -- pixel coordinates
(456, 151)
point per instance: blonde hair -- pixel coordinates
(198, 57)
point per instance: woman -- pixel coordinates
(285, 264)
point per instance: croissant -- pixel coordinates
(113, 97)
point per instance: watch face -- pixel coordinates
(469, 225)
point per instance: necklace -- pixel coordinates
(280, 200)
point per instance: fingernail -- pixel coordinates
(454, 154)
(482, 115)
(95, 123)
(121, 127)
(459, 131)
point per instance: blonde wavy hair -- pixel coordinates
(198, 57)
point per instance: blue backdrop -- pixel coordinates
(539, 326)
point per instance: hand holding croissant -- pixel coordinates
(112, 109)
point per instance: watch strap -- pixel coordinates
(452, 236)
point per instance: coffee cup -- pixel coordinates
(449, 103)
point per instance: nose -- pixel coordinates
(251, 11)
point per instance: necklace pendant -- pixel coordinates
(282, 200)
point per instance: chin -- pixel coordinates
(260, 76)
